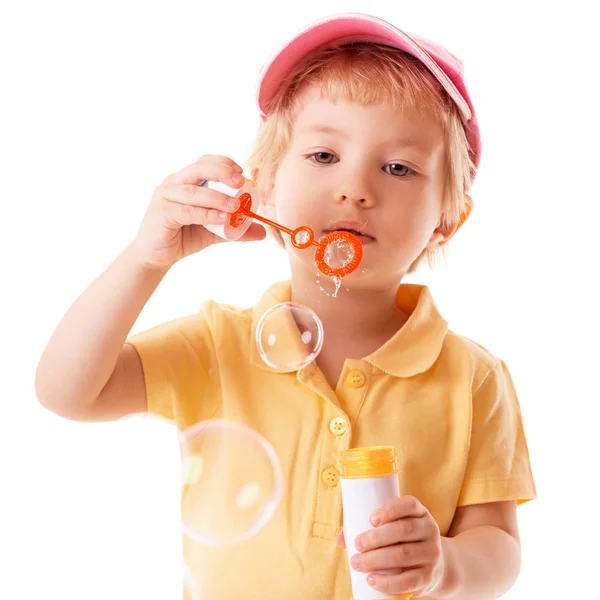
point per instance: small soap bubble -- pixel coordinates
(232, 482)
(301, 237)
(289, 336)
(338, 254)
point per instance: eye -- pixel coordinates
(398, 170)
(323, 158)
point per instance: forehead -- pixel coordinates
(316, 114)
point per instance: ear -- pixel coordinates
(439, 237)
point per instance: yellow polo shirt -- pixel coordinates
(446, 404)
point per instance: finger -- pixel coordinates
(340, 540)
(407, 583)
(178, 215)
(409, 529)
(199, 172)
(255, 233)
(410, 554)
(198, 196)
(397, 508)
(226, 162)
(219, 158)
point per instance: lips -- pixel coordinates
(355, 228)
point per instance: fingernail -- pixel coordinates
(358, 544)
(375, 520)
(237, 178)
(371, 580)
(355, 561)
(222, 215)
(231, 202)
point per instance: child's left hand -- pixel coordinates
(406, 542)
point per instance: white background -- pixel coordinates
(100, 101)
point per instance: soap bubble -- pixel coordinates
(338, 254)
(289, 336)
(232, 482)
(302, 237)
(191, 589)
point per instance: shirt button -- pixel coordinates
(355, 378)
(330, 477)
(338, 426)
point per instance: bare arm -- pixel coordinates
(86, 371)
(482, 553)
(82, 353)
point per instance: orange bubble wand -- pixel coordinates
(303, 237)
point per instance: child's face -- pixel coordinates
(375, 166)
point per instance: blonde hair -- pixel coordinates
(368, 73)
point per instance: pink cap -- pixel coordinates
(356, 27)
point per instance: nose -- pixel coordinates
(363, 202)
(355, 190)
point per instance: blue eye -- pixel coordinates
(323, 158)
(398, 170)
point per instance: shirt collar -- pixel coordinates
(413, 349)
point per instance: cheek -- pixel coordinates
(412, 223)
(283, 190)
(284, 209)
(293, 204)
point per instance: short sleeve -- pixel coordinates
(498, 465)
(178, 359)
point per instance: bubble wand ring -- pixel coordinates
(303, 237)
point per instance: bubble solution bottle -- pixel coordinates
(225, 230)
(369, 478)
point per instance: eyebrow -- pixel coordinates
(322, 129)
(317, 128)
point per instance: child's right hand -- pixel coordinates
(172, 227)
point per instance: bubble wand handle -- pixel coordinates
(290, 232)
(244, 211)
(266, 221)
(303, 237)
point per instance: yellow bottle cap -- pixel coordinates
(370, 461)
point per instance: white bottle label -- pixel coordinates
(360, 497)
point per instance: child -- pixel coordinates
(369, 130)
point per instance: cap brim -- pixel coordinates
(346, 28)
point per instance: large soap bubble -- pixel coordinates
(232, 482)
